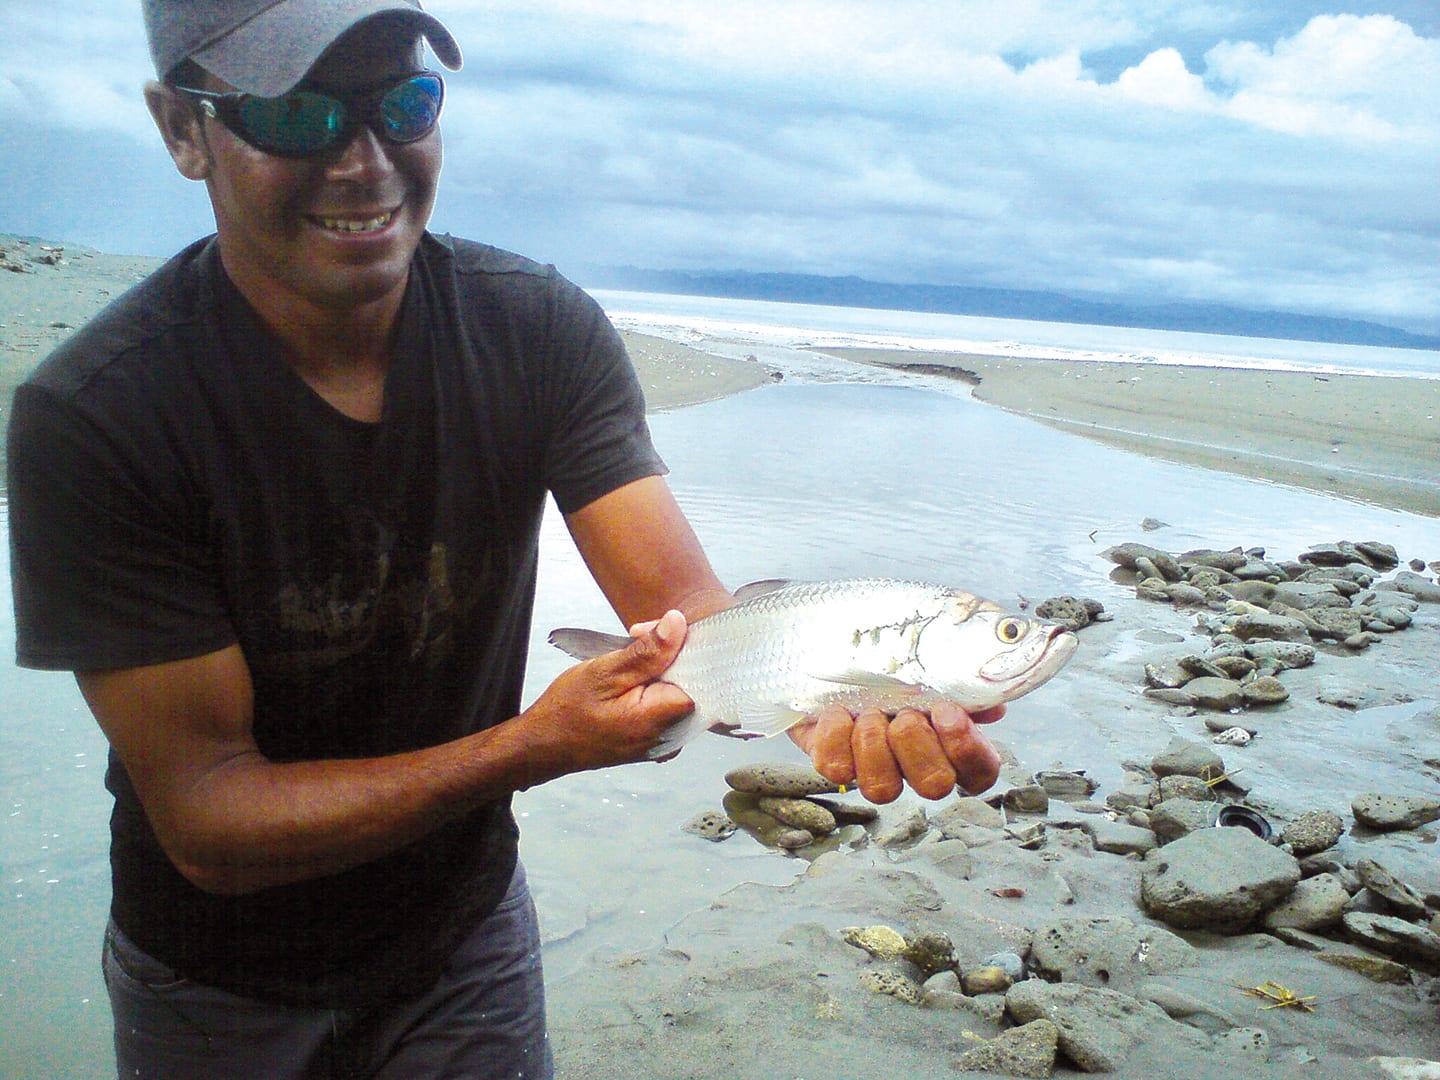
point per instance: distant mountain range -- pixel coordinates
(1007, 304)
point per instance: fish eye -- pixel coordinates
(1010, 630)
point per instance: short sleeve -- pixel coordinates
(600, 439)
(109, 566)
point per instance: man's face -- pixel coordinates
(336, 231)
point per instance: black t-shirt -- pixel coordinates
(176, 488)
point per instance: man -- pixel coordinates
(277, 508)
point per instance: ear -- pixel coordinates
(181, 129)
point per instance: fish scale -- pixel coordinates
(786, 650)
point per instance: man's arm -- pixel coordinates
(232, 821)
(646, 559)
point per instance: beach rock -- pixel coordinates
(1394, 895)
(1216, 879)
(1396, 618)
(1380, 555)
(1394, 937)
(1186, 758)
(1120, 838)
(1063, 784)
(779, 780)
(966, 811)
(1310, 596)
(908, 829)
(1396, 1068)
(1097, 1027)
(1345, 695)
(792, 839)
(1028, 799)
(1228, 561)
(711, 825)
(1233, 666)
(1028, 1050)
(1316, 903)
(1312, 831)
(1257, 569)
(1262, 626)
(1180, 786)
(1069, 611)
(1413, 584)
(1131, 555)
(1008, 962)
(1336, 624)
(881, 942)
(1165, 676)
(1331, 554)
(893, 984)
(990, 979)
(1375, 968)
(848, 813)
(1182, 595)
(1106, 952)
(1265, 690)
(1393, 813)
(1287, 654)
(1153, 589)
(931, 952)
(1174, 818)
(1233, 736)
(799, 814)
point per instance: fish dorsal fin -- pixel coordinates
(586, 644)
(761, 588)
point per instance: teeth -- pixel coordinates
(352, 225)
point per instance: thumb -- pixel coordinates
(653, 649)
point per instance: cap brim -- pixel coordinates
(271, 53)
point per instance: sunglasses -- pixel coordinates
(304, 122)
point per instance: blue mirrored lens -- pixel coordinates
(408, 111)
(301, 122)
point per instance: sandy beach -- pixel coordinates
(761, 982)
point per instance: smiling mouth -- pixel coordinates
(354, 225)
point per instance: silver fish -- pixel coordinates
(788, 649)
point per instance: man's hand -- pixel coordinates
(932, 753)
(612, 709)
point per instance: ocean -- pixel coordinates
(818, 477)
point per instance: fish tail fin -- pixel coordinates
(586, 644)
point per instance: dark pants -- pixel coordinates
(485, 1017)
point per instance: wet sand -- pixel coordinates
(1371, 438)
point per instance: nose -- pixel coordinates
(363, 157)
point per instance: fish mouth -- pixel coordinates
(1025, 668)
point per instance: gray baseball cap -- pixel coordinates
(265, 47)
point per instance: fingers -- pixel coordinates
(977, 763)
(653, 648)
(933, 754)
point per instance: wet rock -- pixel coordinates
(1027, 1050)
(1396, 618)
(793, 839)
(1316, 903)
(1247, 1044)
(1233, 666)
(1119, 838)
(1097, 1027)
(1288, 654)
(1174, 818)
(1262, 626)
(1336, 624)
(779, 780)
(1413, 584)
(848, 813)
(894, 984)
(1348, 696)
(1266, 690)
(908, 829)
(881, 942)
(1130, 556)
(799, 814)
(1310, 595)
(1258, 569)
(966, 811)
(989, 979)
(1165, 676)
(1228, 561)
(1312, 831)
(1375, 968)
(1180, 786)
(1182, 595)
(1070, 612)
(1392, 813)
(1114, 953)
(1028, 799)
(1064, 784)
(932, 953)
(1379, 555)
(1394, 895)
(1186, 758)
(1396, 1068)
(711, 825)
(1394, 937)
(1216, 879)
(1233, 736)
(1008, 962)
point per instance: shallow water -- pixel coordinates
(805, 481)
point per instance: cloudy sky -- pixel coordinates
(1269, 153)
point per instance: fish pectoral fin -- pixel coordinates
(766, 719)
(861, 679)
(586, 644)
(761, 588)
